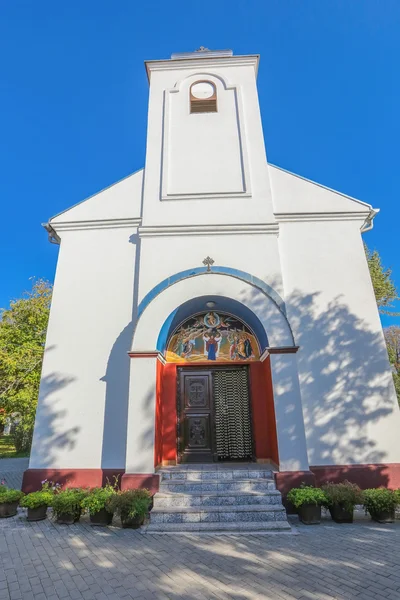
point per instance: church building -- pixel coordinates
(213, 308)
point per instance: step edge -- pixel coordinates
(233, 508)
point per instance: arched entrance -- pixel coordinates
(215, 397)
(152, 416)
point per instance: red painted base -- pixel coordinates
(32, 480)
(131, 481)
(366, 476)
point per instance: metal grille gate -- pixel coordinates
(232, 414)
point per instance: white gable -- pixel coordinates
(294, 194)
(121, 200)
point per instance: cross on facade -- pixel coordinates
(208, 262)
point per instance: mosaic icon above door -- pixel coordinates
(212, 336)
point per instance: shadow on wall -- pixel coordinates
(113, 453)
(344, 378)
(45, 448)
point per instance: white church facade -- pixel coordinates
(212, 307)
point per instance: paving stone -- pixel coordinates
(325, 562)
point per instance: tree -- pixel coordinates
(384, 287)
(22, 339)
(392, 337)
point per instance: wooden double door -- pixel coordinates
(214, 415)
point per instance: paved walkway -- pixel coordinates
(44, 561)
(12, 470)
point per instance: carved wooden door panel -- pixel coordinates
(195, 419)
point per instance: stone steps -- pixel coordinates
(173, 500)
(216, 499)
(244, 527)
(219, 514)
(212, 475)
(223, 485)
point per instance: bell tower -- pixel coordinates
(205, 155)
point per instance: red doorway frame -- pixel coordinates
(262, 402)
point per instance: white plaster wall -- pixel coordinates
(258, 207)
(85, 376)
(162, 256)
(122, 200)
(141, 416)
(203, 152)
(294, 194)
(349, 403)
(292, 447)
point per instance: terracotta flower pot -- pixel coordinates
(340, 515)
(8, 509)
(310, 514)
(102, 518)
(383, 516)
(37, 514)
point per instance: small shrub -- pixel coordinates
(36, 499)
(377, 500)
(345, 494)
(97, 499)
(306, 495)
(68, 502)
(9, 495)
(130, 504)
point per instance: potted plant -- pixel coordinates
(67, 505)
(131, 505)
(381, 504)
(308, 501)
(95, 503)
(38, 502)
(341, 500)
(9, 500)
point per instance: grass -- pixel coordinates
(7, 448)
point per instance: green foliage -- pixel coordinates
(68, 502)
(9, 495)
(396, 381)
(97, 499)
(22, 338)
(392, 337)
(42, 498)
(36, 499)
(384, 287)
(130, 504)
(380, 499)
(7, 448)
(345, 494)
(306, 495)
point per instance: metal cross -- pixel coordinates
(208, 262)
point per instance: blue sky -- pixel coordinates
(73, 103)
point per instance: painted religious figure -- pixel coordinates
(212, 336)
(212, 341)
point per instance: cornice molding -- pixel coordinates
(323, 216)
(147, 354)
(176, 230)
(96, 224)
(283, 350)
(200, 62)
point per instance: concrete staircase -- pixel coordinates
(217, 498)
